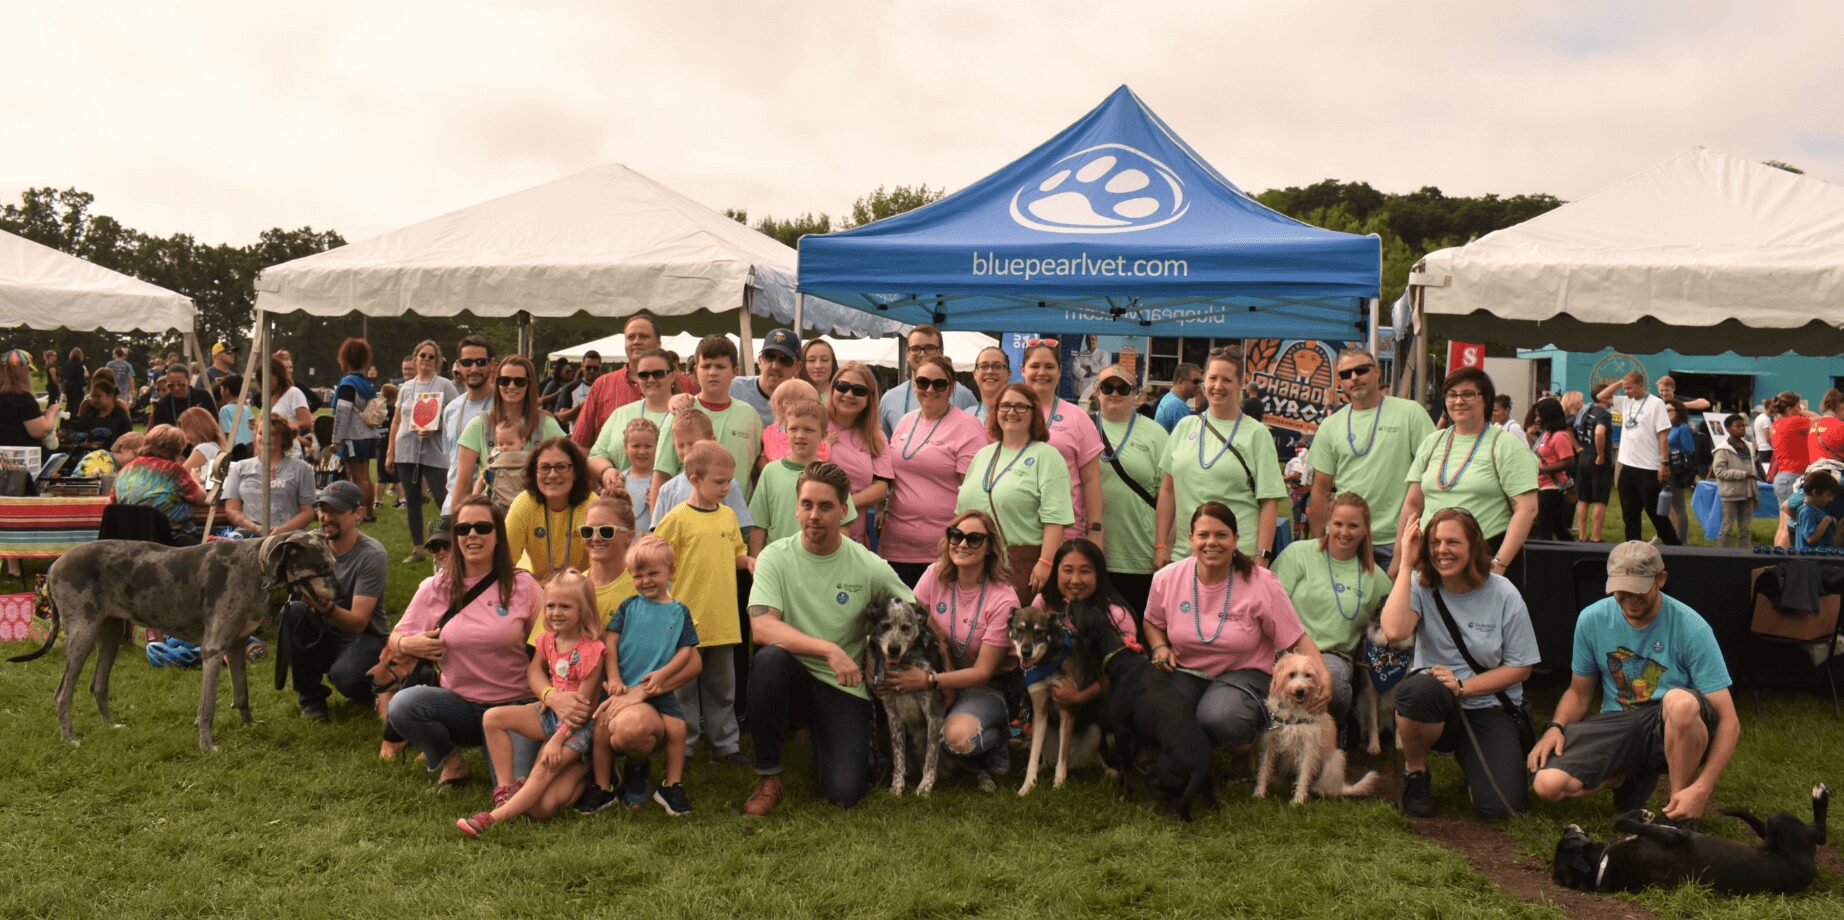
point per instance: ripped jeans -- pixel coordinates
(986, 706)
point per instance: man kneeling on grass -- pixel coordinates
(804, 609)
(1665, 702)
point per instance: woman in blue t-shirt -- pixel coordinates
(1675, 497)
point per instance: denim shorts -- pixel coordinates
(578, 741)
(667, 705)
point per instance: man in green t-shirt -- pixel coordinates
(1366, 447)
(804, 611)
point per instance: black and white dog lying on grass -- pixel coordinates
(1660, 855)
(898, 636)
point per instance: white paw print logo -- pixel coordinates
(1107, 188)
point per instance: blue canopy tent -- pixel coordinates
(1113, 227)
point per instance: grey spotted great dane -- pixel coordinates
(214, 594)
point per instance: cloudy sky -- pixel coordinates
(224, 118)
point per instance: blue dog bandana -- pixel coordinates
(1387, 666)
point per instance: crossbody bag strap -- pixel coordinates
(1453, 629)
(472, 594)
(1233, 452)
(1114, 461)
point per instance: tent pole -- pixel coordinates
(1421, 349)
(229, 438)
(745, 351)
(800, 310)
(262, 446)
(524, 337)
(1371, 344)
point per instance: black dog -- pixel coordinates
(1658, 854)
(1143, 706)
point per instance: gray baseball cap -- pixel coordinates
(1633, 567)
(342, 496)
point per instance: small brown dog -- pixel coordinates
(386, 679)
(1302, 741)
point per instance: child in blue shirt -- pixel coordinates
(1814, 528)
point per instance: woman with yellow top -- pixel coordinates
(1220, 455)
(541, 524)
(1023, 482)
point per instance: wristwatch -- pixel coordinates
(1094, 527)
(1268, 554)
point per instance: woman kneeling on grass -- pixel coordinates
(569, 658)
(1451, 566)
(481, 648)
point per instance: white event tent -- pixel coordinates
(608, 242)
(43, 288)
(1703, 253)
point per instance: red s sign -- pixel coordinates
(1464, 354)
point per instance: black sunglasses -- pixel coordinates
(605, 531)
(1357, 371)
(856, 389)
(506, 381)
(1114, 386)
(957, 536)
(474, 362)
(425, 356)
(933, 383)
(649, 375)
(777, 358)
(478, 527)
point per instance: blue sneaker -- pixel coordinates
(636, 782)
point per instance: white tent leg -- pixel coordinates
(800, 311)
(745, 348)
(261, 448)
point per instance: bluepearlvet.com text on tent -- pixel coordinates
(993, 265)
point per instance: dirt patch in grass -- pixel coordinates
(1494, 854)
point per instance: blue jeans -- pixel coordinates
(986, 706)
(438, 720)
(330, 654)
(1383, 553)
(778, 684)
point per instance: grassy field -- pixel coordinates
(300, 817)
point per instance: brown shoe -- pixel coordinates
(764, 797)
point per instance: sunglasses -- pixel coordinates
(425, 356)
(957, 536)
(776, 358)
(650, 375)
(1114, 386)
(1357, 371)
(856, 389)
(604, 531)
(924, 384)
(474, 362)
(478, 527)
(506, 381)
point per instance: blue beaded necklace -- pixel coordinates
(1204, 422)
(973, 621)
(1197, 615)
(907, 453)
(1338, 590)
(1351, 437)
(989, 480)
(1440, 478)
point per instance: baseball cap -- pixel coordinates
(783, 341)
(439, 534)
(220, 348)
(343, 495)
(1633, 567)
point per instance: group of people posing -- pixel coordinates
(610, 606)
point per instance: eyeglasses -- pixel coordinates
(511, 382)
(1014, 408)
(925, 350)
(602, 531)
(992, 366)
(425, 356)
(856, 389)
(957, 536)
(924, 384)
(1357, 371)
(650, 375)
(1462, 395)
(1114, 386)
(554, 469)
(474, 362)
(777, 358)
(477, 527)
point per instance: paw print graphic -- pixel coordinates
(1108, 188)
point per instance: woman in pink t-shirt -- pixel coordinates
(857, 441)
(1240, 617)
(968, 594)
(1079, 572)
(929, 453)
(481, 650)
(1072, 434)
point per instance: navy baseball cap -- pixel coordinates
(783, 341)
